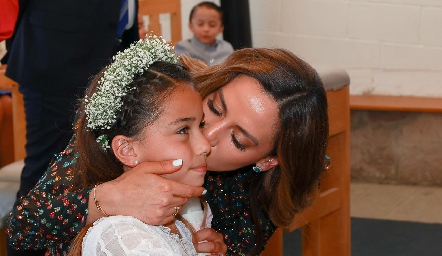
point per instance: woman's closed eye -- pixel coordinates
(237, 143)
(212, 108)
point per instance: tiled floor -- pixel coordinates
(396, 202)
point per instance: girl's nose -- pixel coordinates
(203, 146)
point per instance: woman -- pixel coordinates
(266, 120)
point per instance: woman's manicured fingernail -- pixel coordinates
(177, 162)
(204, 192)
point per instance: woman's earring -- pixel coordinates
(257, 169)
(327, 163)
(136, 162)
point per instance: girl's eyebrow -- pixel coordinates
(181, 120)
(223, 103)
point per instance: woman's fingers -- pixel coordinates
(142, 193)
(167, 167)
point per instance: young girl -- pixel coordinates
(143, 107)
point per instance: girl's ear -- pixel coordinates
(124, 150)
(267, 163)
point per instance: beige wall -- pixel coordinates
(387, 46)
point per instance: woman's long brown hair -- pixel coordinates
(299, 143)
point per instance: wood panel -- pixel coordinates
(153, 9)
(3, 242)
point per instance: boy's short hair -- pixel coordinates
(209, 5)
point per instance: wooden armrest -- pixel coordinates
(395, 103)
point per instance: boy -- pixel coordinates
(206, 23)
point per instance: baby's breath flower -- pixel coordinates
(103, 141)
(103, 106)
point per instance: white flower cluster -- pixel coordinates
(103, 106)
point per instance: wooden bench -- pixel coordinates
(395, 103)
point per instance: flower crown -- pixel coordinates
(102, 107)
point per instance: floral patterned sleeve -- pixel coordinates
(53, 213)
(229, 201)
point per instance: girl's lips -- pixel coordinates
(201, 168)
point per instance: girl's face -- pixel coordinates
(240, 124)
(177, 134)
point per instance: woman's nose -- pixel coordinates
(212, 132)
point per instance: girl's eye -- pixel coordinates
(184, 130)
(237, 144)
(212, 108)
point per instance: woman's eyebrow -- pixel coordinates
(223, 102)
(248, 135)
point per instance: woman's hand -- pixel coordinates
(143, 194)
(207, 240)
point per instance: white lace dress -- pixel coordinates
(124, 235)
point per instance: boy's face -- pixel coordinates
(206, 25)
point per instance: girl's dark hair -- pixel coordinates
(301, 139)
(208, 5)
(141, 106)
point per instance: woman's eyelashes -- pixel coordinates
(237, 143)
(217, 112)
(212, 108)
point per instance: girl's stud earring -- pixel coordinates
(257, 169)
(136, 162)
